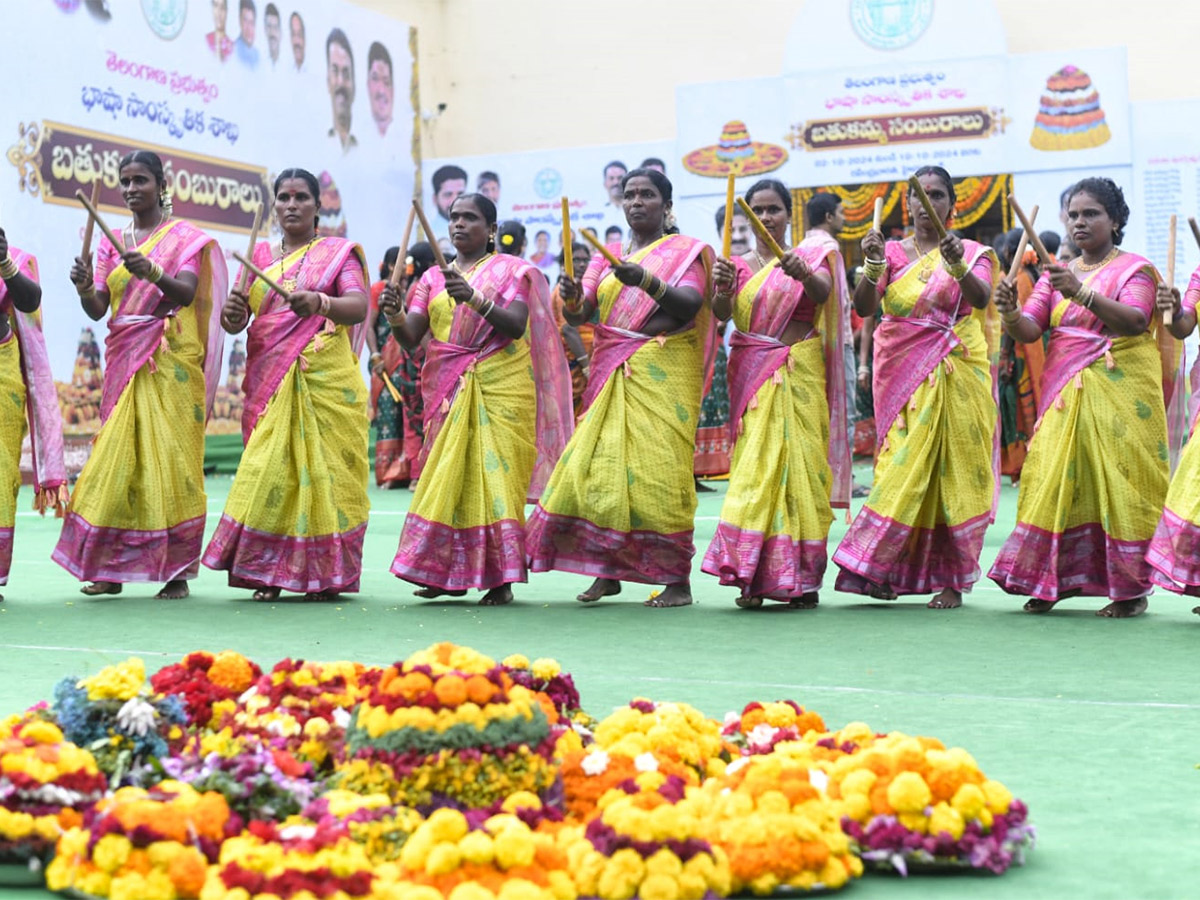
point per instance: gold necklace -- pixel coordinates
(475, 265)
(290, 284)
(1081, 266)
(162, 217)
(926, 261)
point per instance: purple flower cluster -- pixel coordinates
(607, 841)
(885, 843)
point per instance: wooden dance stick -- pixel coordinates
(1015, 267)
(1195, 230)
(727, 228)
(258, 217)
(1169, 315)
(601, 249)
(259, 273)
(90, 228)
(877, 221)
(1042, 252)
(437, 251)
(401, 266)
(915, 183)
(108, 232)
(567, 242)
(759, 228)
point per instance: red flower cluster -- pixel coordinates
(318, 882)
(189, 680)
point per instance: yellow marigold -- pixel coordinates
(998, 797)
(443, 859)
(111, 852)
(664, 862)
(514, 847)
(446, 825)
(471, 890)
(95, 882)
(860, 781)
(969, 800)
(622, 874)
(122, 681)
(546, 669)
(517, 661)
(946, 818)
(15, 826)
(914, 822)
(42, 732)
(477, 848)
(659, 887)
(908, 793)
(129, 886)
(520, 889)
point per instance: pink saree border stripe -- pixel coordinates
(255, 559)
(454, 559)
(1044, 564)
(779, 567)
(1174, 555)
(125, 555)
(571, 544)
(6, 548)
(878, 550)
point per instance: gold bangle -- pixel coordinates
(660, 292)
(156, 273)
(958, 271)
(9, 269)
(647, 279)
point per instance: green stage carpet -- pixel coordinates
(1094, 723)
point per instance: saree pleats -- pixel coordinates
(12, 433)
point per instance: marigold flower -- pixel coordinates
(908, 793)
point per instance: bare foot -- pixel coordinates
(601, 587)
(320, 596)
(96, 588)
(173, 590)
(749, 602)
(948, 598)
(1037, 607)
(1196, 610)
(429, 593)
(1123, 609)
(882, 592)
(672, 595)
(805, 601)
(266, 595)
(497, 596)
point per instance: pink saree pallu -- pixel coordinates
(1174, 552)
(497, 415)
(25, 378)
(621, 501)
(1094, 481)
(791, 455)
(296, 515)
(138, 509)
(922, 528)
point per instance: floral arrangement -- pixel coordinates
(674, 730)
(466, 737)
(257, 780)
(461, 855)
(760, 726)
(777, 828)
(142, 843)
(546, 678)
(268, 862)
(203, 679)
(646, 842)
(46, 783)
(587, 775)
(116, 716)
(371, 820)
(908, 800)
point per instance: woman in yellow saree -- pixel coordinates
(620, 505)
(921, 529)
(297, 513)
(138, 509)
(787, 387)
(25, 377)
(495, 356)
(1094, 482)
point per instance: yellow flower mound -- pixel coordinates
(908, 793)
(122, 681)
(446, 657)
(674, 730)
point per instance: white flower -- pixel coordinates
(297, 832)
(761, 734)
(740, 763)
(136, 716)
(595, 763)
(818, 779)
(646, 763)
(341, 718)
(732, 718)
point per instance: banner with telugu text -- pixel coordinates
(228, 97)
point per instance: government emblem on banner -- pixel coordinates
(890, 24)
(165, 17)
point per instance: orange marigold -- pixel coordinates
(479, 690)
(187, 872)
(451, 690)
